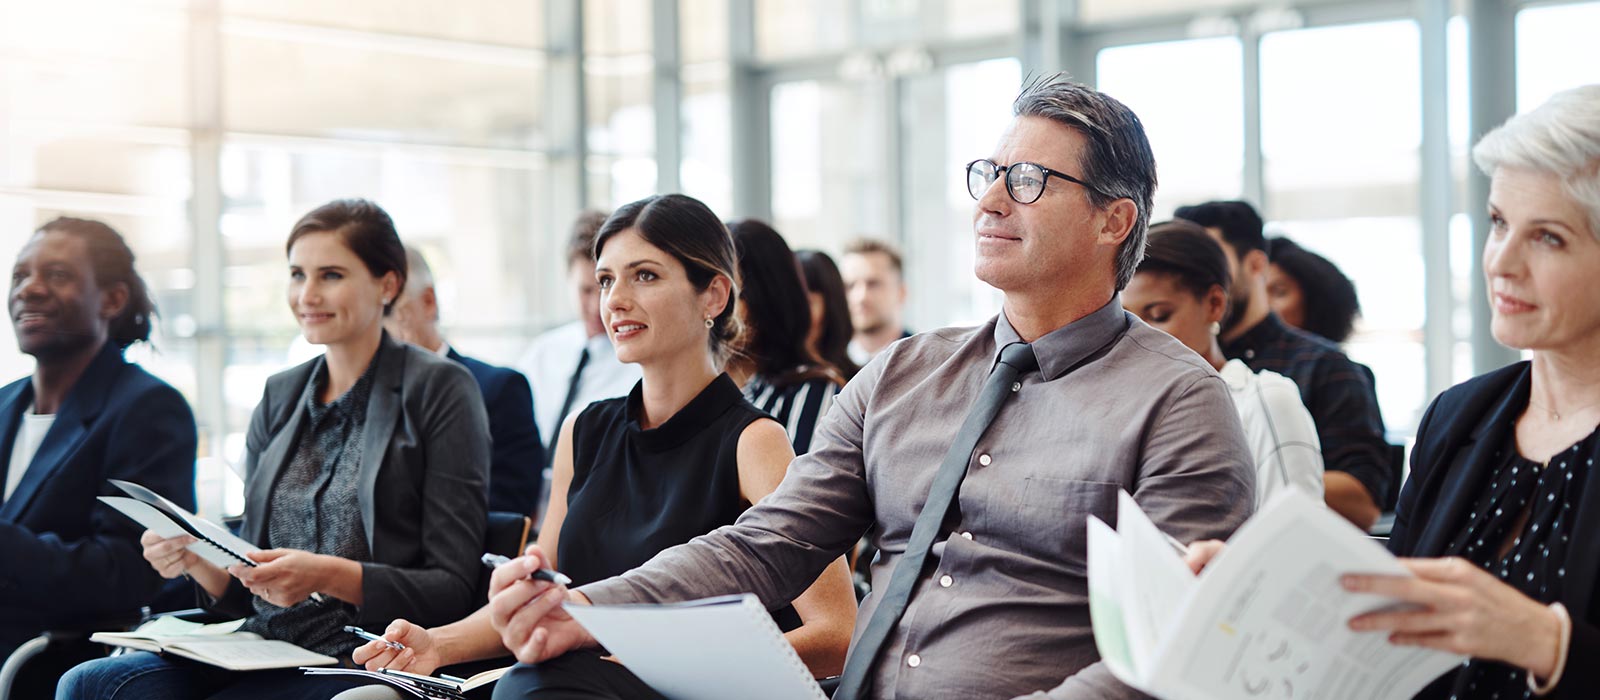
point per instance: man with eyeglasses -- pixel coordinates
(974, 455)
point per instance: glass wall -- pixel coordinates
(202, 129)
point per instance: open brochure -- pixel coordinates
(725, 648)
(1265, 619)
(220, 644)
(416, 685)
(213, 542)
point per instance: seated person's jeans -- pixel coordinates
(576, 675)
(142, 674)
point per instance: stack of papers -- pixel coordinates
(1267, 617)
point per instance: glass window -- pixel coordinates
(619, 89)
(93, 63)
(951, 117)
(707, 164)
(786, 29)
(518, 23)
(1190, 97)
(1341, 142)
(831, 179)
(289, 81)
(471, 218)
(1555, 51)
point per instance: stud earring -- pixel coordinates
(1216, 328)
(710, 322)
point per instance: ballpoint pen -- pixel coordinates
(357, 631)
(496, 561)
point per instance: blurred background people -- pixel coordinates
(1181, 287)
(1359, 476)
(86, 415)
(777, 368)
(573, 365)
(364, 482)
(1309, 292)
(830, 331)
(875, 287)
(516, 469)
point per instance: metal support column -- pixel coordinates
(1436, 204)
(566, 112)
(749, 97)
(1491, 49)
(668, 94)
(205, 216)
(1253, 183)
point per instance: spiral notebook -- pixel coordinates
(213, 542)
(725, 648)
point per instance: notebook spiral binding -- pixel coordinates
(785, 649)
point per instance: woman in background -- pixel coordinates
(1309, 292)
(830, 312)
(1181, 288)
(780, 372)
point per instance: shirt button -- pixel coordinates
(946, 581)
(1016, 387)
(984, 460)
(913, 661)
(967, 535)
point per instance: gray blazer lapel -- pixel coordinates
(276, 455)
(383, 412)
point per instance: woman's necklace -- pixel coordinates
(1556, 415)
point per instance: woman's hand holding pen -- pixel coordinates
(419, 655)
(171, 557)
(527, 612)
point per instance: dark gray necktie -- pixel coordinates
(1016, 360)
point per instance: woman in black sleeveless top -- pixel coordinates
(681, 455)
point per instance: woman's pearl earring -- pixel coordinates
(1216, 328)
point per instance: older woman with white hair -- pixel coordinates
(1501, 511)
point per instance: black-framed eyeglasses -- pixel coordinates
(1024, 181)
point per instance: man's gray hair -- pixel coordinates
(1561, 138)
(418, 275)
(1118, 163)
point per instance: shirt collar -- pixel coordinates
(444, 349)
(1066, 347)
(1237, 374)
(1267, 331)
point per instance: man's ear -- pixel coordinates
(430, 303)
(113, 301)
(1255, 263)
(1120, 218)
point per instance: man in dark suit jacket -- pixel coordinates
(85, 416)
(518, 461)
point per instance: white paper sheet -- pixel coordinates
(716, 649)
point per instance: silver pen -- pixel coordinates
(495, 561)
(357, 631)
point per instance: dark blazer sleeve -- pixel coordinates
(519, 459)
(454, 431)
(149, 439)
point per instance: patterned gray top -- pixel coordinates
(314, 508)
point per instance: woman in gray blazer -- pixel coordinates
(365, 482)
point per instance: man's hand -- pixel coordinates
(528, 615)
